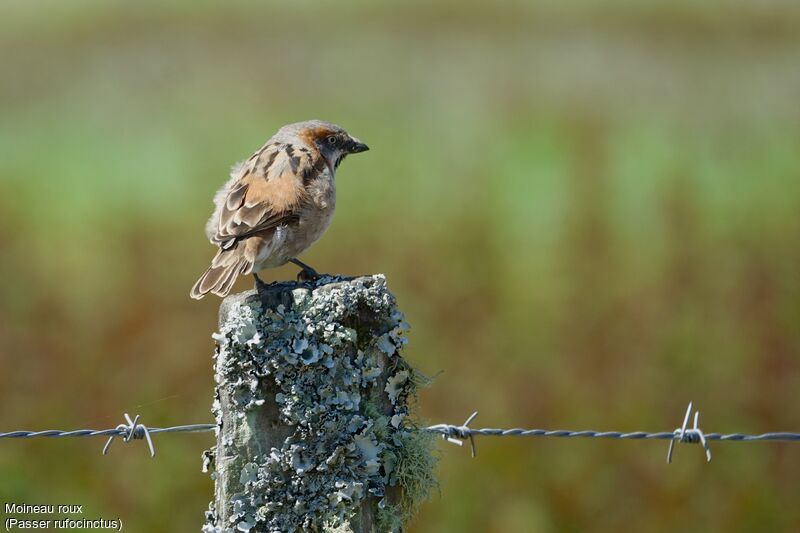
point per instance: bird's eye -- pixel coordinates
(332, 139)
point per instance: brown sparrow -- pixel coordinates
(276, 204)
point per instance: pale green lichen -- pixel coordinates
(333, 357)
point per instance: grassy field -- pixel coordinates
(589, 212)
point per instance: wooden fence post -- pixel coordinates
(312, 400)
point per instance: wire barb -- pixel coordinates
(133, 430)
(458, 434)
(693, 435)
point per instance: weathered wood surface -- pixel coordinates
(311, 396)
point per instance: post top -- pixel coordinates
(276, 293)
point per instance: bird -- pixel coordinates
(276, 204)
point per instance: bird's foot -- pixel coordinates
(307, 274)
(260, 284)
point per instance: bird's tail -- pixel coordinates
(225, 268)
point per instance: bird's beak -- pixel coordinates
(356, 146)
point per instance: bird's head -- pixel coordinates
(333, 143)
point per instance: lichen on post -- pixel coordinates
(313, 400)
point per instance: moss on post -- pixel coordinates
(312, 400)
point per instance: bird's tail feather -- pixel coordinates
(220, 276)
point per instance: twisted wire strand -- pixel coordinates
(116, 432)
(132, 430)
(449, 430)
(456, 434)
(684, 434)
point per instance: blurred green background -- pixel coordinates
(590, 213)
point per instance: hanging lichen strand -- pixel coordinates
(328, 359)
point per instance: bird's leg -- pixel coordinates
(307, 274)
(260, 285)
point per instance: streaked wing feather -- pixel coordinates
(268, 193)
(236, 196)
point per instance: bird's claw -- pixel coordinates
(308, 274)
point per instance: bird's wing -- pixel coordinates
(268, 192)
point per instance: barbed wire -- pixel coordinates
(455, 434)
(684, 434)
(132, 430)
